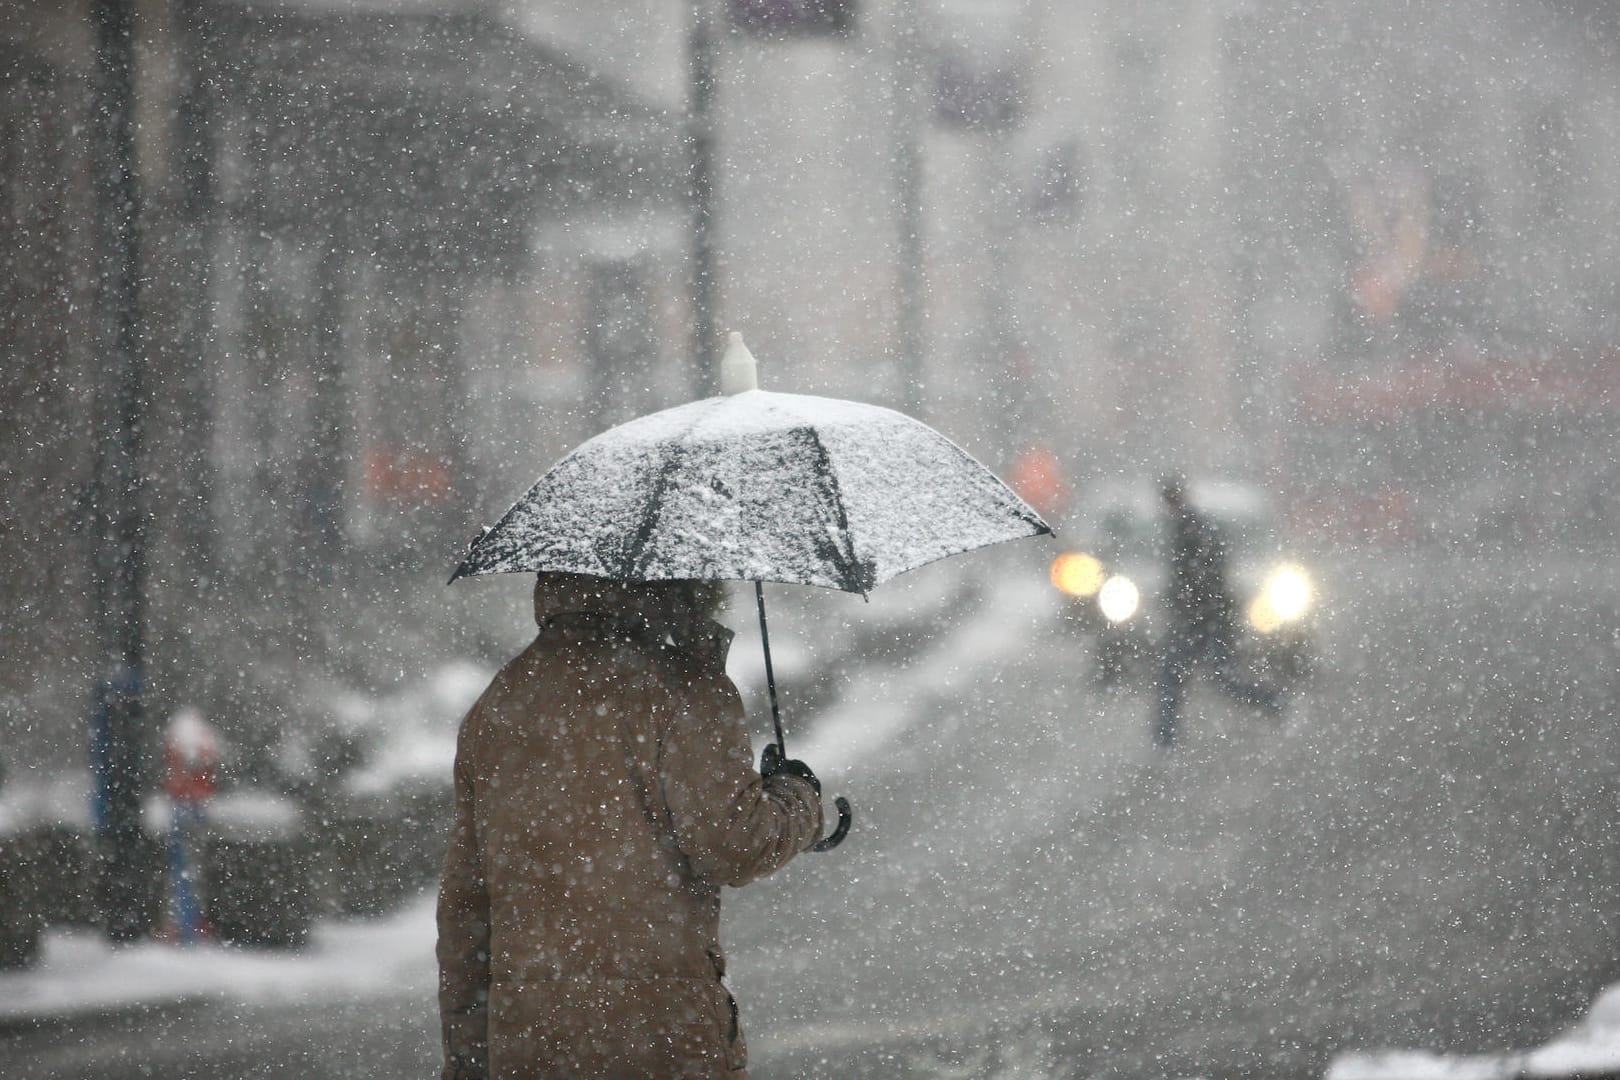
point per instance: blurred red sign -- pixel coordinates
(1038, 479)
(409, 477)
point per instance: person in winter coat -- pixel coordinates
(1202, 627)
(604, 793)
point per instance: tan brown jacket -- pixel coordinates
(605, 791)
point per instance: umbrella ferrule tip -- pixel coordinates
(739, 371)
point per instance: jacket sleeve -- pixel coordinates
(732, 824)
(463, 917)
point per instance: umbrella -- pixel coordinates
(757, 486)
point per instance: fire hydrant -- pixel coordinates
(191, 768)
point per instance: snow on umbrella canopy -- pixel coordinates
(757, 486)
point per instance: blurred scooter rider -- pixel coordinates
(1202, 626)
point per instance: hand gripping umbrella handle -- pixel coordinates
(845, 817)
(836, 837)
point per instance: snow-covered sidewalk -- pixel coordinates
(80, 974)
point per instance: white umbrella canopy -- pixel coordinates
(757, 486)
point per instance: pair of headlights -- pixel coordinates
(1083, 577)
(1285, 597)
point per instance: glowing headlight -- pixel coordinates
(1077, 574)
(1118, 598)
(1285, 598)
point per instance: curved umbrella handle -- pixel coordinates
(836, 837)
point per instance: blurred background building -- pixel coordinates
(398, 256)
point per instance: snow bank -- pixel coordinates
(418, 730)
(31, 801)
(80, 973)
(856, 732)
(1590, 1047)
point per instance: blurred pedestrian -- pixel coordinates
(604, 793)
(1202, 616)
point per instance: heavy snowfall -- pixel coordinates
(297, 297)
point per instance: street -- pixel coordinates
(1422, 854)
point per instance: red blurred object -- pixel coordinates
(406, 476)
(1038, 479)
(190, 758)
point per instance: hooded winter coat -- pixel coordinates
(604, 792)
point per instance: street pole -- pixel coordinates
(909, 282)
(700, 138)
(197, 109)
(118, 727)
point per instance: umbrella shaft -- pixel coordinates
(770, 674)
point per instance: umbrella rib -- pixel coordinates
(636, 551)
(1015, 505)
(673, 455)
(857, 574)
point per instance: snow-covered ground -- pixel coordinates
(81, 974)
(350, 959)
(1591, 1047)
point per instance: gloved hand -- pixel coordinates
(772, 762)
